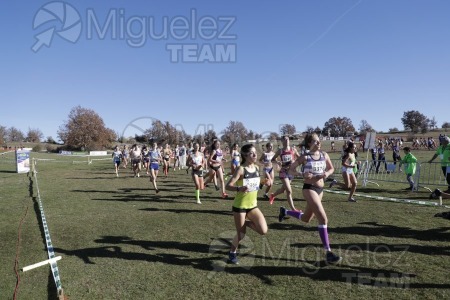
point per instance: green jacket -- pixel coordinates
(410, 161)
(445, 162)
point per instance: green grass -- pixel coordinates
(119, 240)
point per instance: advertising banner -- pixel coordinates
(23, 160)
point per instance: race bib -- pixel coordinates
(286, 158)
(317, 167)
(219, 158)
(349, 171)
(252, 184)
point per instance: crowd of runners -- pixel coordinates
(249, 173)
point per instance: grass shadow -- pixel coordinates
(183, 211)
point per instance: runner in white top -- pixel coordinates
(266, 160)
(135, 155)
(117, 155)
(196, 161)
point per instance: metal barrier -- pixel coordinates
(387, 171)
(431, 175)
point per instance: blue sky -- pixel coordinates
(296, 62)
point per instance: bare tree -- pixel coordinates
(273, 136)
(432, 123)
(3, 132)
(234, 133)
(209, 136)
(14, 135)
(34, 135)
(50, 140)
(287, 129)
(365, 127)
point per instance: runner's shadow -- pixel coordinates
(376, 229)
(183, 211)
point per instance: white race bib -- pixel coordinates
(286, 158)
(252, 184)
(317, 167)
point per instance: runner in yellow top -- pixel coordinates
(245, 181)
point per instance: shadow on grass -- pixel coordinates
(383, 248)
(364, 276)
(376, 229)
(289, 226)
(89, 178)
(183, 211)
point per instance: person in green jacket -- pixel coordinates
(443, 151)
(410, 161)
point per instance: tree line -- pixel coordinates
(85, 130)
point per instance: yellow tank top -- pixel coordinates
(248, 199)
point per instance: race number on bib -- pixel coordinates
(252, 184)
(286, 158)
(317, 167)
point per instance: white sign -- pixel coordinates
(23, 161)
(98, 153)
(370, 140)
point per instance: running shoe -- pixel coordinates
(224, 195)
(271, 199)
(332, 258)
(282, 214)
(352, 199)
(232, 258)
(436, 193)
(266, 196)
(217, 188)
(333, 183)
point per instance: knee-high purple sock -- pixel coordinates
(323, 232)
(294, 213)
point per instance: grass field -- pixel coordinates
(119, 240)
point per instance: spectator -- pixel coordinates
(381, 157)
(396, 154)
(443, 151)
(410, 161)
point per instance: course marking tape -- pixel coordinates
(51, 252)
(39, 264)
